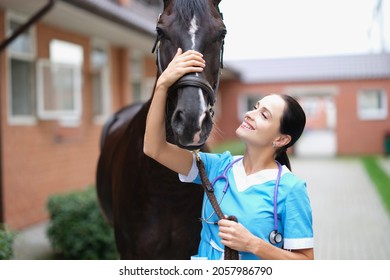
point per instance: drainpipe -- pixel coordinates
(44, 10)
(28, 24)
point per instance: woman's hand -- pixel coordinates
(183, 63)
(235, 235)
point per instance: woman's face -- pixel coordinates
(261, 126)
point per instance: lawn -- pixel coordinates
(379, 177)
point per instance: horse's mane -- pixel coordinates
(186, 9)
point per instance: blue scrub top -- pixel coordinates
(250, 199)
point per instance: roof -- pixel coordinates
(136, 16)
(351, 67)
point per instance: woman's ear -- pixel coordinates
(281, 141)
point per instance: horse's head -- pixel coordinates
(191, 25)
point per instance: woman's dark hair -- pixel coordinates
(292, 123)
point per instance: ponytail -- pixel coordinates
(292, 123)
(282, 158)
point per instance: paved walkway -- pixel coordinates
(32, 244)
(350, 221)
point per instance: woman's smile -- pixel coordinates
(247, 125)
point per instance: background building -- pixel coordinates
(346, 99)
(59, 81)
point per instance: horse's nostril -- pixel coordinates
(178, 120)
(178, 117)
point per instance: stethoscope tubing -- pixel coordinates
(224, 176)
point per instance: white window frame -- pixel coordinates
(28, 120)
(106, 97)
(374, 114)
(66, 117)
(136, 58)
(146, 83)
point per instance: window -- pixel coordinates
(372, 104)
(59, 83)
(311, 106)
(100, 82)
(247, 102)
(21, 64)
(141, 87)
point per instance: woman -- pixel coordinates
(276, 123)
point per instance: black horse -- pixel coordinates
(154, 215)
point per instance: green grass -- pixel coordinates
(379, 177)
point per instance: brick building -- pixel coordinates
(59, 81)
(346, 99)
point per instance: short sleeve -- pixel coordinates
(298, 225)
(192, 174)
(214, 165)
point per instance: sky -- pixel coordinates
(296, 28)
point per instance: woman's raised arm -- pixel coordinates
(155, 144)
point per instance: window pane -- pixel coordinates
(99, 58)
(99, 64)
(372, 104)
(59, 88)
(59, 82)
(371, 100)
(23, 43)
(64, 87)
(65, 52)
(97, 93)
(137, 93)
(22, 87)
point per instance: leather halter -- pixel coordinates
(192, 80)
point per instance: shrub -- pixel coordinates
(6, 242)
(77, 229)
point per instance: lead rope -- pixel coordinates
(230, 254)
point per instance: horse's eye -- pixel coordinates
(160, 32)
(221, 35)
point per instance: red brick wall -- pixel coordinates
(2, 111)
(353, 135)
(47, 158)
(120, 90)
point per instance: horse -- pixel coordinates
(153, 214)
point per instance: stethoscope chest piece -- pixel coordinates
(275, 237)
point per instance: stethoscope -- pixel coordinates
(275, 237)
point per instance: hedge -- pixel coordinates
(6, 242)
(77, 230)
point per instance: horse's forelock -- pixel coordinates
(186, 9)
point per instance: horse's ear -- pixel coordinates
(216, 2)
(166, 2)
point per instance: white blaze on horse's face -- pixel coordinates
(192, 32)
(193, 28)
